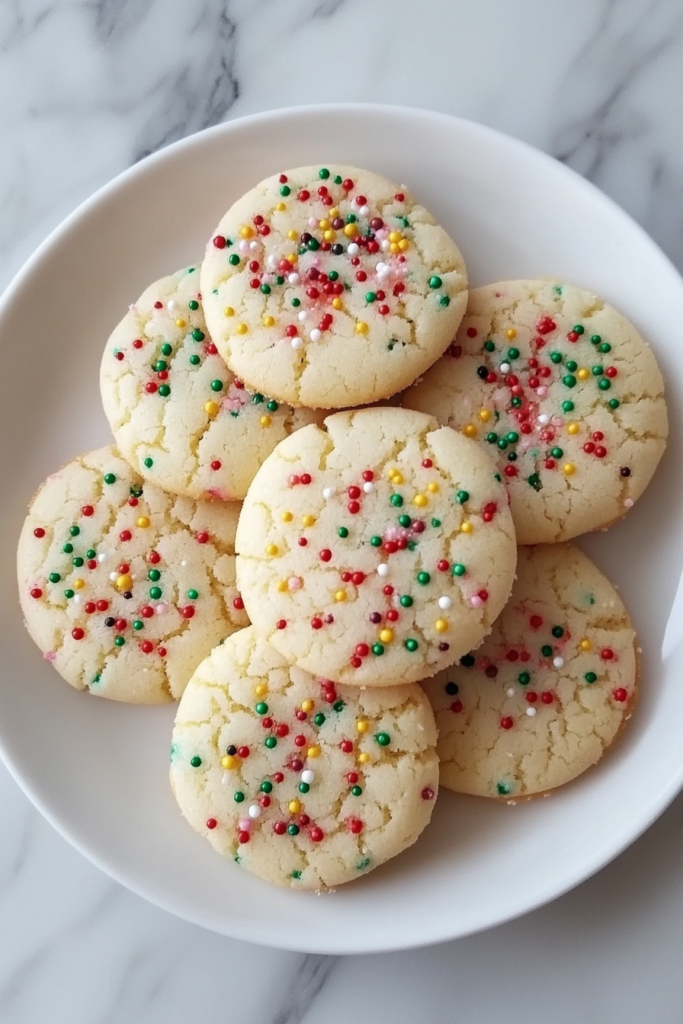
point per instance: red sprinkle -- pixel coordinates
(187, 612)
(36, 593)
(620, 694)
(243, 837)
(243, 752)
(607, 654)
(427, 793)
(279, 828)
(211, 822)
(146, 647)
(202, 537)
(536, 621)
(325, 555)
(154, 557)
(506, 723)
(78, 633)
(547, 697)
(216, 464)
(219, 242)
(281, 624)
(316, 835)
(354, 825)
(456, 707)
(316, 623)
(238, 604)
(346, 746)
(87, 510)
(39, 532)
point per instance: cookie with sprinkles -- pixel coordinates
(549, 690)
(179, 416)
(562, 390)
(302, 782)
(377, 550)
(331, 286)
(125, 587)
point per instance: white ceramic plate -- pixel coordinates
(98, 770)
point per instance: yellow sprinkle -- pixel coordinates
(143, 522)
(229, 762)
(246, 231)
(282, 586)
(329, 235)
(294, 806)
(420, 500)
(441, 625)
(350, 230)
(470, 430)
(340, 595)
(124, 582)
(323, 224)
(572, 428)
(511, 333)
(292, 256)
(292, 236)
(272, 549)
(583, 374)
(466, 527)
(313, 751)
(433, 487)
(268, 321)
(280, 207)
(395, 236)
(242, 328)
(585, 645)
(228, 311)
(211, 407)
(363, 758)
(484, 415)
(307, 705)
(261, 689)
(337, 302)
(362, 725)
(308, 520)
(287, 517)
(79, 584)
(403, 245)
(334, 212)
(569, 468)
(361, 327)
(397, 478)
(386, 636)
(181, 323)
(394, 247)
(265, 421)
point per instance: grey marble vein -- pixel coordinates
(307, 984)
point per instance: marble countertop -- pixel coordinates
(87, 87)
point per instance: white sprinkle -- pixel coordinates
(382, 569)
(315, 334)
(293, 278)
(385, 245)
(312, 222)
(254, 811)
(303, 315)
(184, 562)
(171, 305)
(531, 712)
(77, 598)
(161, 609)
(543, 419)
(243, 246)
(328, 492)
(353, 249)
(444, 603)
(225, 778)
(383, 269)
(297, 343)
(558, 662)
(504, 367)
(271, 262)
(364, 211)
(113, 576)
(101, 558)
(368, 487)
(511, 692)
(253, 245)
(307, 776)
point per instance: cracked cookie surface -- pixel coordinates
(547, 692)
(331, 287)
(375, 551)
(178, 414)
(124, 587)
(303, 783)
(563, 391)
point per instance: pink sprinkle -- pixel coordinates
(161, 609)
(50, 656)
(628, 502)
(476, 601)
(294, 582)
(244, 824)
(542, 391)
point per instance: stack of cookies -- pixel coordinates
(294, 573)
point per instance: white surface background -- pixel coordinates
(86, 88)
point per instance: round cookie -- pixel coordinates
(548, 691)
(377, 550)
(562, 389)
(302, 783)
(125, 588)
(179, 416)
(331, 287)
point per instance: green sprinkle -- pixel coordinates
(512, 437)
(91, 553)
(323, 173)
(234, 260)
(194, 359)
(193, 595)
(489, 346)
(590, 677)
(313, 244)
(396, 500)
(569, 381)
(524, 678)
(67, 548)
(78, 562)
(351, 218)
(404, 520)
(164, 390)
(337, 179)
(423, 578)
(436, 523)
(296, 875)
(370, 296)
(153, 575)
(138, 624)
(462, 496)
(216, 385)
(266, 787)
(293, 829)
(265, 289)
(546, 651)
(149, 462)
(557, 631)
(605, 384)
(279, 279)
(502, 788)
(356, 790)
(256, 398)
(272, 406)
(285, 190)
(556, 453)
(578, 329)
(567, 406)
(343, 533)
(319, 719)
(261, 708)
(435, 282)
(605, 347)
(410, 645)
(444, 300)
(378, 649)
(195, 761)
(155, 593)
(534, 481)
(271, 742)
(613, 403)
(458, 569)
(406, 601)
(119, 641)
(304, 787)
(513, 353)
(193, 304)
(68, 594)
(571, 365)
(376, 541)
(54, 577)
(597, 371)
(515, 402)
(492, 437)
(166, 349)
(338, 705)
(555, 357)
(467, 660)
(296, 302)
(502, 443)
(238, 796)
(109, 478)
(383, 739)
(595, 339)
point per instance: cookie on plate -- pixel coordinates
(549, 690)
(124, 587)
(303, 783)
(179, 416)
(377, 550)
(564, 392)
(331, 287)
